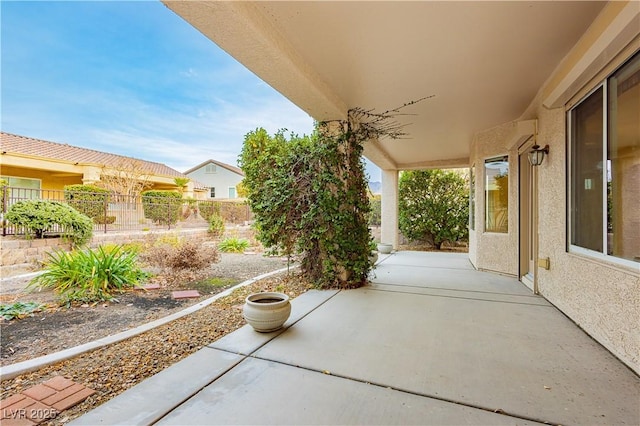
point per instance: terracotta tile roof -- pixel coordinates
(234, 169)
(15, 144)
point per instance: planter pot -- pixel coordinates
(385, 248)
(373, 257)
(266, 311)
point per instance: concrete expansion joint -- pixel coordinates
(282, 330)
(475, 299)
(408, 392)
(243, 356)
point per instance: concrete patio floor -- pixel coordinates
(431, 341)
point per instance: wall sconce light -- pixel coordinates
(536, 155)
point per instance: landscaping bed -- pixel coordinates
(117, 367)
(57, 328)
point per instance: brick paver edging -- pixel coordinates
(42, 402)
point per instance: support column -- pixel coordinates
(389, 222)
(90, 175)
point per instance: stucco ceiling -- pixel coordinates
(483, 62)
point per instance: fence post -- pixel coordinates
(106, 206)
(4, 209)
(168, 214)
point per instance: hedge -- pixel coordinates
(162, 207)
(89, 200)
(208, 209)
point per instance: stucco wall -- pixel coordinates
(602, 298)
(493, 251)
(221, 180)
(49, 181)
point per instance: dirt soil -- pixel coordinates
(115, 368)
(57, 328)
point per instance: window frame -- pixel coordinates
(601, 255)
(472, 196)
(37, 192)
(494, 159)
(212, 189)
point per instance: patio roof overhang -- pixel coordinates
(483, 62)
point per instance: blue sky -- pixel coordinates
(131, 78)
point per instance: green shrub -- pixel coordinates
(162, 207)
(433, 205)
(105, 220)
(39, 216)
(375, 214)
(233, 245)
(216, 225)
(208, 209)
(20, 310)
(89, 275)
(4, 190)
(89, 200)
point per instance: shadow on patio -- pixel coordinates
(431, 341)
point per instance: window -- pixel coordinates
(210, 168)
(496, 172)
(232, 192)
(604, 207)
(23, 188)
(472, 197)
(212, 192)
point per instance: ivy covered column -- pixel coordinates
(389, 222)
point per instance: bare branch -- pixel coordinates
(128, 177)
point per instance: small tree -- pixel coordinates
(241, 190)
(127, 177)
(434, 204)
(181, 182)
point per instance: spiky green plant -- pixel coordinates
(233, 245)
(89, 275)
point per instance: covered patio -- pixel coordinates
(430, 341)
(501, 80)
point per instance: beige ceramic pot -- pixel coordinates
(384, 248)
(266, 311)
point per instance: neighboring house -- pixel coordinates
(505, 76)
(36, 164)
(220, 178)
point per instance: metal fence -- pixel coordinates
(114, 213)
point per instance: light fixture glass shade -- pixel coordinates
(536, 155)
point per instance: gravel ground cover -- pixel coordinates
(117, 367)
(57, 328)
